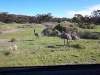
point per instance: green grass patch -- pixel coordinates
(97, 29)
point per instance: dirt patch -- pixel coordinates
(91, 61)
(14, 30)
(4, 42)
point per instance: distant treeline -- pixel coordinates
(5, 17)
(39, 18)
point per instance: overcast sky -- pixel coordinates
(58, 8)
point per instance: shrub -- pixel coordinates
(52, 50)
(66, 28)
(91, 26)
(61, 27)
(70, 44)
(79, 46)
(55, 32)
(50, 32)
(95, 36)
(88, 35)
(86, 26)
(19, 26)
(81, 25)
(13, 40)
(47, 32)
(6, 53)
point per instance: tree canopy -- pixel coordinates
(40, 18)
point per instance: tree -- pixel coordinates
(78, 18)
(96, 16)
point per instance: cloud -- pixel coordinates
(84, 12)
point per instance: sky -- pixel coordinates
(57, 8)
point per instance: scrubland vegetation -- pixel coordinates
(49, 49)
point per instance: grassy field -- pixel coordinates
(46, 50)
(97, 29)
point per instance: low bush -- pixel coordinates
(47, 32)
(13, 40)
(88, 35)
(79, 46)
(6, 53)
(91, 26)
(50, 32)
(62, 27)
(55, 32)
(19, 26)
(86, 26)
